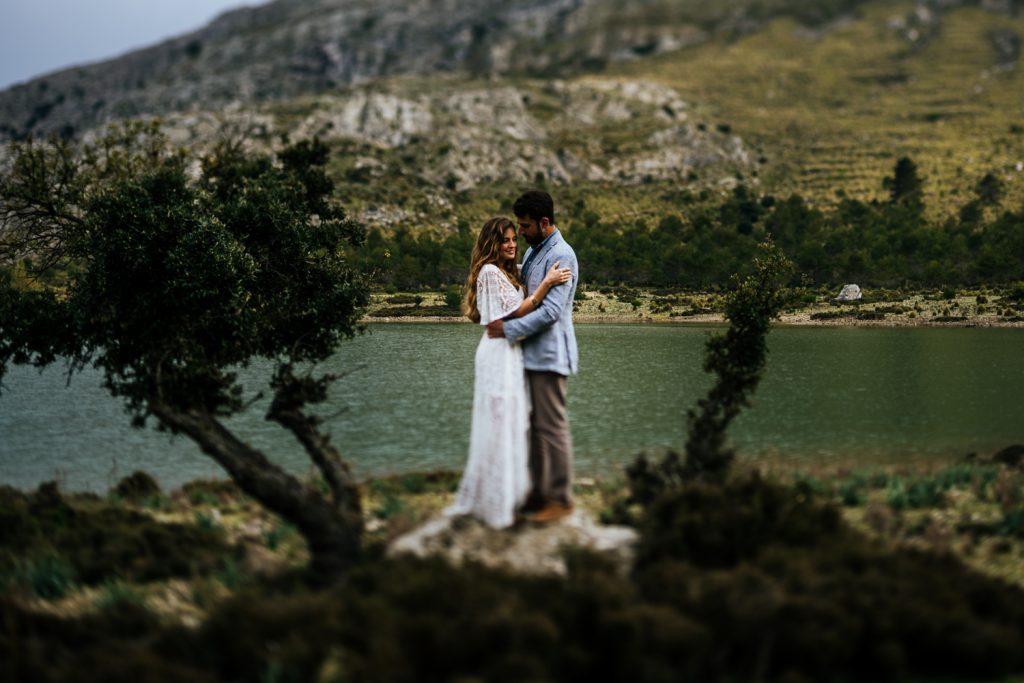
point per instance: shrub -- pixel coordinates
(1016, 292)
(453, 297)
(851, 494)
(49, 577)
(896, 494)
(1013, 523)
(203, 492)
(115, 593)
(765, 569)
(272, 537)
(100, 543)
(137, 486)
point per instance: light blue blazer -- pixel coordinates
(547, 334)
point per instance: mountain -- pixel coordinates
(288, 48)
(437, 109)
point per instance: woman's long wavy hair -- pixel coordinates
(486, 251)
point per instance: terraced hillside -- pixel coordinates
(835, 108)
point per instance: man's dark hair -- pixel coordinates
(535, 204)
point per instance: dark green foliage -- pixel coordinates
(453, 297)
(245, 263)
(904, 185)
(747, 580)
(116, 593)
(1011, 456)
(176, 278)
(737, 359)
(137, 487)
(851, 494)
(646, 481)
(715, 526)
(916, 493)
(877, 244)
(114, 645)
(418, 312)
(1013, 523)
(989, 190)
(906, 491)
(440, 481)
(414, 299)
(211, 492)
(1016, 292)
(273, 537)
(787, 589)
(48, 577)
(408, 261)
(44, 535)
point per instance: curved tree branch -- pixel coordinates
(334, 541)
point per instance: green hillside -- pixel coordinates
(824, 113)
(834, 109)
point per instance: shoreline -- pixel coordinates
(791, 320)
(657, 307)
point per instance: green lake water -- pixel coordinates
(859, 396)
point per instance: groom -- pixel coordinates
(550, 356)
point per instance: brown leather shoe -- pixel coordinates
(551, 512)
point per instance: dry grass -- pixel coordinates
(833, 110)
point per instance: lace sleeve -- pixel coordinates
(496, 297)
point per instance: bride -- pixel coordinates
(496, 479)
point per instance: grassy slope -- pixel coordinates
(834, 111)
(830, 111)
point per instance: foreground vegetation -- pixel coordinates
(781, 573)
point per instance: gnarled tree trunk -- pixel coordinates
(331, 528)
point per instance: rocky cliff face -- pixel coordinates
(287, 48)
(465, 134)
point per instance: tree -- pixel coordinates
(904, 185)
(737, 359)
(177, 274)
(989, 190)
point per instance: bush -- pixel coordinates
(99, 544)
(115, 593)
(137, 487)
(49, 577)
(1016, 292)
(761, 566)
(453, 297)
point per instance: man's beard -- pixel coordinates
(533, 240)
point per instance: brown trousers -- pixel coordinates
(550, 440)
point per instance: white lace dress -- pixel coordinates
(496, 479)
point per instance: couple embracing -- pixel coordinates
(520, 448)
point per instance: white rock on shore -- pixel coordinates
(849, 293)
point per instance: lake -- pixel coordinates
(859, 396)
